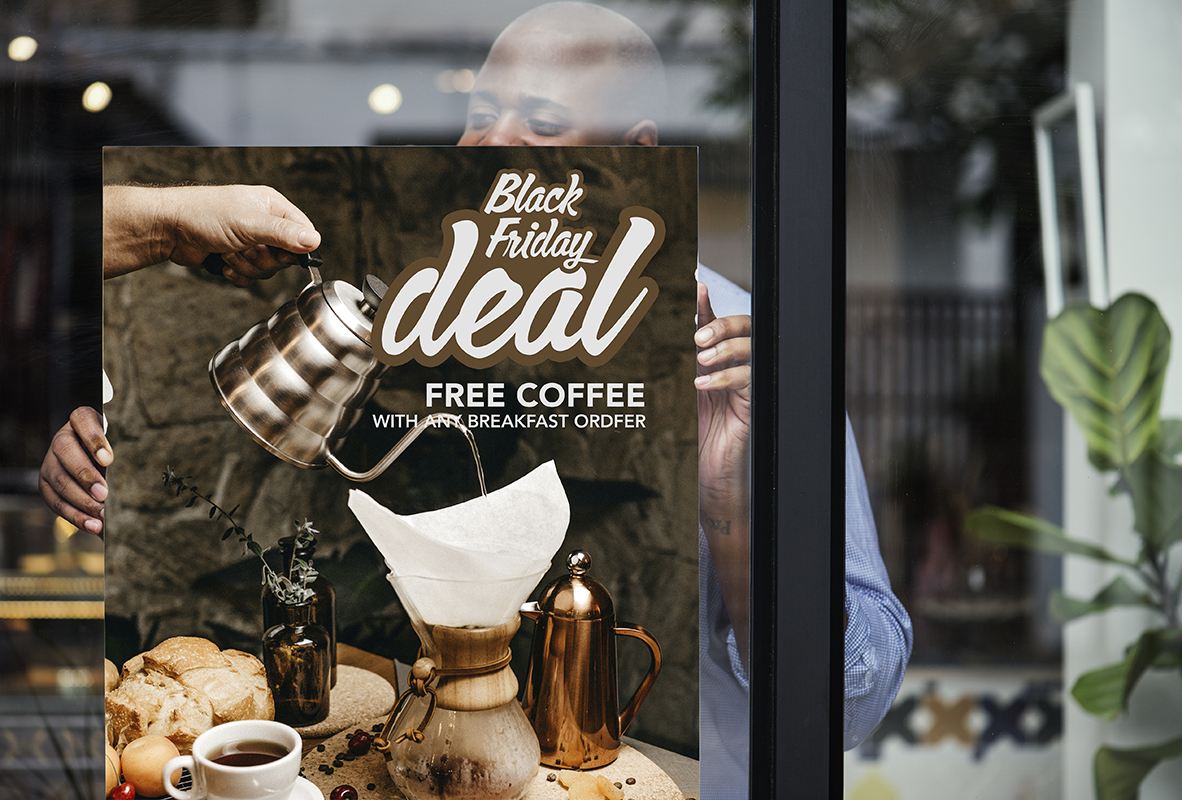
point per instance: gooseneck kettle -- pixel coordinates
(298, 381)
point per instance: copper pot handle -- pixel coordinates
(637, 632)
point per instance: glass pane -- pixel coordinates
(958, 215)
(303, 73)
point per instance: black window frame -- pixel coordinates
(798, 459)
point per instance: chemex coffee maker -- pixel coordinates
(459, 733)
(298, 381)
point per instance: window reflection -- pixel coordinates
(292, 72)
(945, 326)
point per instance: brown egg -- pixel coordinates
(143, 764)
(112, 768)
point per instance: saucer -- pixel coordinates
(305, 790)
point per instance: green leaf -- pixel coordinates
(1013, 529)
(1117, 593)
(1105, 692)
(1170, 442)
(229, 532)
(1170, 656)
(1119, 772)
(1098, 692)
(1107, 368)
(1140, 659)
(1155, 486)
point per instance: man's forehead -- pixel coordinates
(539, 47)
(530, 81)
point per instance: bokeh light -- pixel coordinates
(385, 98)
(22, 48)
(96, 97)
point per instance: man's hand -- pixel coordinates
(255, 229)
(724, 407)
(72, 478)
(724, 438)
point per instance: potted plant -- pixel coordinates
(1107, 367)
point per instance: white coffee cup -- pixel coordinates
(212, 781)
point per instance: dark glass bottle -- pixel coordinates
(296, 656)
(324, 596)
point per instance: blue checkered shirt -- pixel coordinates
(877, 633)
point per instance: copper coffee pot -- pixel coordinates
(571, 695)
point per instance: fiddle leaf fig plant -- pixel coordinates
(1107, 367)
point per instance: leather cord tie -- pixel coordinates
(423, 677)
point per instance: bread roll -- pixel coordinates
(237, 691)
(182, 688)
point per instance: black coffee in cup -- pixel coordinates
(248, 753)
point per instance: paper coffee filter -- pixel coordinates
(473, 563)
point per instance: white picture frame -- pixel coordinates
(1075, 108)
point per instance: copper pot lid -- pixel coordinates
(577, 595)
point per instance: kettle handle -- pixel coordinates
(214, 264)
(637, 632)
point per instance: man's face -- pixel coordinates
(540, 90)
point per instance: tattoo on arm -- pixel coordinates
(722, 526)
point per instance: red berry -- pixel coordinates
(124, 791)
(343, 792)
(359, 743)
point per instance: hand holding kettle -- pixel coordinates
(251, 231)
(255, 229)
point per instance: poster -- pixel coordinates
(543, 298)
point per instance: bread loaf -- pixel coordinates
(182, 688)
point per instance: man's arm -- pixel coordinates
(878, 630)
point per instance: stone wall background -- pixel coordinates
(633, 493)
